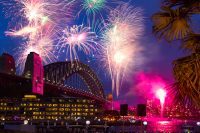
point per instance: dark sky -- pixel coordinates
(158, 54)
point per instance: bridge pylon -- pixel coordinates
(35, 71)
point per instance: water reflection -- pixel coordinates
(163, 126)
(172, 126)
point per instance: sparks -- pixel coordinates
(121, 42)
(40, 12)
(77, 37)
(42, 46)
(36, 15)
(161, 94)
(92, 6)
(38, 21)
(22, 32)
(93, 10)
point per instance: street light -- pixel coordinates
(198, 123)
(131, 120)
(3, 119)
(145, 123)
(87, 122)
(25, 122)
(55, 122)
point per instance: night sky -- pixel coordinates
(158, 55)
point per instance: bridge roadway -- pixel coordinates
(14, 85)
(70, 91)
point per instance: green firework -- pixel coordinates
(92, 6)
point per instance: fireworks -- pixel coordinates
(39, 22)
(92, 6)
(77, 37)
(121, 42)
(39, 14)
(42, 20)
(22, 32)
(161, 94)
(95, 9)
(42, 46)
(35, 10)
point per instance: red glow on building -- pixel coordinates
(34, 70)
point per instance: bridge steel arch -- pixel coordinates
(58, 72)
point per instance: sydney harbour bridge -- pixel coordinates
(73, 79)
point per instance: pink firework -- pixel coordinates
(37, 22)
(43, 45)
(161, 94)
(147, 84)
(77, 38)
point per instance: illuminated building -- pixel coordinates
(44, 93)
(33, 108)
(111, 115)
(172, 110)
(153, 108)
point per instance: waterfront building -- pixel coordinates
(31, 107)
(51, 92)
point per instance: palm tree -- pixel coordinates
(173, 22)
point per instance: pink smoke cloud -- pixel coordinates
(146, 85)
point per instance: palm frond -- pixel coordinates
(181, 3)
(192, 42)
(171, 24)
(187, 75)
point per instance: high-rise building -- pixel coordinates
(7, 64)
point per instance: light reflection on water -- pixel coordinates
(160, 125)
(163, 126)
(172, 126)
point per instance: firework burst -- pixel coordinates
(38, 22)
(38, 12)
(120, 41)
(95, 9)
(92, 6)
(35, 11)
(24, 32)
(42, 46)
(78, 38)
(33, 16)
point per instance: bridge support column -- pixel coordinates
(34, 70)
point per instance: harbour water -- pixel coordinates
(158, 126)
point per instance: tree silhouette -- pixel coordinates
(174, 22)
